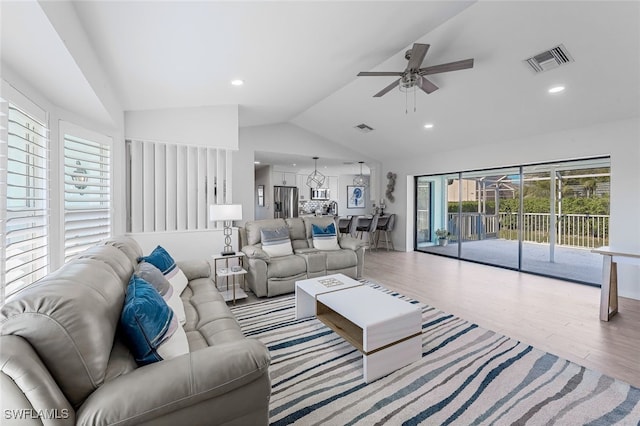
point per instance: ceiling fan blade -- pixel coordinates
(387, 89)
(451, 66)
(379, 73)
(426, 85)
(418, 52)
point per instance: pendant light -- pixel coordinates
(360, 180)
(315, 179)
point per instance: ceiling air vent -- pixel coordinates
(549, 59)
(364, 128)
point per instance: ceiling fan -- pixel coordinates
(415, 76)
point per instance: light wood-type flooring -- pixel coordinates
(555, 316)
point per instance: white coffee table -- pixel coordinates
(387, 330)
(307, 290)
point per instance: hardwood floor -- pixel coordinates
(555, 316)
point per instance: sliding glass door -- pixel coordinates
(489, 203)
(543, 219)
(565, 215)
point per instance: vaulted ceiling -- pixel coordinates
(299, 62)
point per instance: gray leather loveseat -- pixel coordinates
(64, 361)
(271, 276)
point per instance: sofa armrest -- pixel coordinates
(194, 269)
(254, 252)
(27, 385)
(167, 386)
(351, 243)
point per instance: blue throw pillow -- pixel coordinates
(145, 320)
(161, 259)
(325, 238)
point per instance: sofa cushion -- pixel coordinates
(276, 242)
(286, 266)
(325, 238)
(341, 259)
(146, 320)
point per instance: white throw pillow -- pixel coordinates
(276, 242)
(178, 308)
(178, 280)
(175, 345)
(325, 238)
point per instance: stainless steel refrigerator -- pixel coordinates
(285, 202)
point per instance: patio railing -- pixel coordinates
(575, 230)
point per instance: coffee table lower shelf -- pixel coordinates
(377, 362)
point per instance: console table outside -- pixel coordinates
(609, 289)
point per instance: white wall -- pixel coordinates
(280, 138)
(619, 139)
(215, 126)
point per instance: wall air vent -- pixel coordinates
(549, 59)
(364, 128)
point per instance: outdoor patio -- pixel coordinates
(577, 264)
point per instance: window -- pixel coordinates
(24, 215)
(87, 191)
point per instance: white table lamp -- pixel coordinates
(226, 213)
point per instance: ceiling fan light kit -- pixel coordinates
(413, 76)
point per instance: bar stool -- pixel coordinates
(370, 229)
(386, 227)
(344, 225)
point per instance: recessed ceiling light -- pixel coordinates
(256, 162)
(556, 89)
(428, 126)
(237, 82)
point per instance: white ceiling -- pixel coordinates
(300, 59)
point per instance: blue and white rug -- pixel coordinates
(467, 376)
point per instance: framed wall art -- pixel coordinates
(355, 197)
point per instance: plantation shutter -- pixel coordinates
(172, 185)
(24, 217)
(87, 194)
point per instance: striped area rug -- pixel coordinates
(467, 376)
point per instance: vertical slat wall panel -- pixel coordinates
(211, 178)
(192, 195)
(220, 177)
(228, 177)
(172, 186)
(137, 180)
(202, 188)
(160, 187)
(148, 191)
(171, 182)
(182, 188)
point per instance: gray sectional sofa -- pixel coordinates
(64, 361)
(271, 276)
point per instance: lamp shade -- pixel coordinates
(225, 212)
